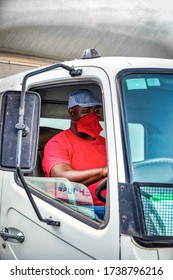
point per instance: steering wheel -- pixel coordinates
(154, 170)
(102, 186)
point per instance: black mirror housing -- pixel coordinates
(9, 119)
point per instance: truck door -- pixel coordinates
(79, 232)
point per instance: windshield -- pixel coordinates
(148, 106)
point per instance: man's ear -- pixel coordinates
(71, 113)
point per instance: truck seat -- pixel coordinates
(45, 134)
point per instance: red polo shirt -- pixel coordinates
(81, 154)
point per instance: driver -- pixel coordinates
(79, 153)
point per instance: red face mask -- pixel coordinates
(90, 125)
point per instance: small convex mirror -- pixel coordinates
(9, 119)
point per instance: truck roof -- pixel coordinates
(123, 62)
(114, 63)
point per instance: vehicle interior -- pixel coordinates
(149, 108)
(54, 115)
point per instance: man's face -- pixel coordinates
(85, 121)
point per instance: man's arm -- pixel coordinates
(86, 177)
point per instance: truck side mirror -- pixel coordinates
(9, 119)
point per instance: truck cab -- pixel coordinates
(53, 218)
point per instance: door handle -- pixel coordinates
(12, 233)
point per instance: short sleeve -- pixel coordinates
(57, 150)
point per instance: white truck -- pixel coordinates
(53, 218)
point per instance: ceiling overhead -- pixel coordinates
(39, 32)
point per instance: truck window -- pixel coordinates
(70, 194)
(54, 119)
(148, 100)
